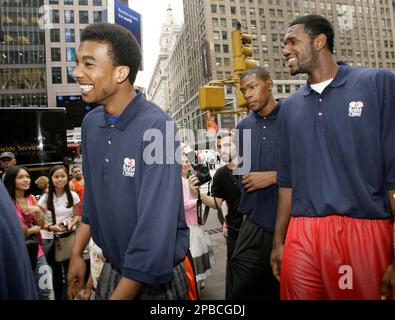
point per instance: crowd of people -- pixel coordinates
(310, 218)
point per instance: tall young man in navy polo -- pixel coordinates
(250, 263)
(333, 235)
(129, 209)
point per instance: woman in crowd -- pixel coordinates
(199, 242)
(17, 183)
(42, 184)
(63, 203)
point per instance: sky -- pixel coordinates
(153, 15)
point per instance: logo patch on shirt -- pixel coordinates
(355, 108)
(129, 167)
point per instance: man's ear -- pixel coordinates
(122, 73)
(320, 42)
(269, 84)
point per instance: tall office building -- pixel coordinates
(159, 84)
(22, 55)
(364, 31)
(65, 21)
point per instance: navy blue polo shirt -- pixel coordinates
(260, 205)
(337, 149)
(133, 201)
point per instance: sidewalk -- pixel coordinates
(215, 283)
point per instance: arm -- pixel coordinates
(77, 266)
(207, 200)
(259, 180)
(126, 289)
(76, 217)
(280, 229)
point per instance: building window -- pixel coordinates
(233, 10)
(97, 16)
(53, 1)
(84, 17)
(68, 16)
(217, 48)
(70, 77)
(222, 9)
(97, 2)
(216, 35)
(279, 88)
(56, 75)
(226, 48)
(55, 54)
(224, 35)
(55, 35)
(70, 54)
(55, 16)
(213, 8)
(68, 1)
(69, 35)
(83, 2)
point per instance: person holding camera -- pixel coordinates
(252, 276)
(225, 189)
(200, 244)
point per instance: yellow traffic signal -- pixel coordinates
(240, 102)
(241, 52)
(211, 98)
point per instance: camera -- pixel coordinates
(202, 171)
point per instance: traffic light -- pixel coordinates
(241, 52)
(240, 102)
(211, 98)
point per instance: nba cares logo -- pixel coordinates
(355, 108)
(129, 167)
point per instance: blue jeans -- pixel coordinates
(43, 277)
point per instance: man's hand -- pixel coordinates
(275, 260)
(259, 180)
(76, 276)
(193, 181)
(388, 283)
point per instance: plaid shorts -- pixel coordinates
(176, 289)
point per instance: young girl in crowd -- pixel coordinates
(64, 204)
(199, 243)
(17, 183)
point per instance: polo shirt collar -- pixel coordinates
(126, 116)
(338, 81)
(271, 116)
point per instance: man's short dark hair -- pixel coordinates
(260, 72)
(123, 47)
(75, 167)
(315, 25)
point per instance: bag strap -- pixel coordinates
(202, 219)
(220, 214)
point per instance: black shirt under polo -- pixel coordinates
(226, 186)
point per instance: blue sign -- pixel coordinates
(129, 19)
